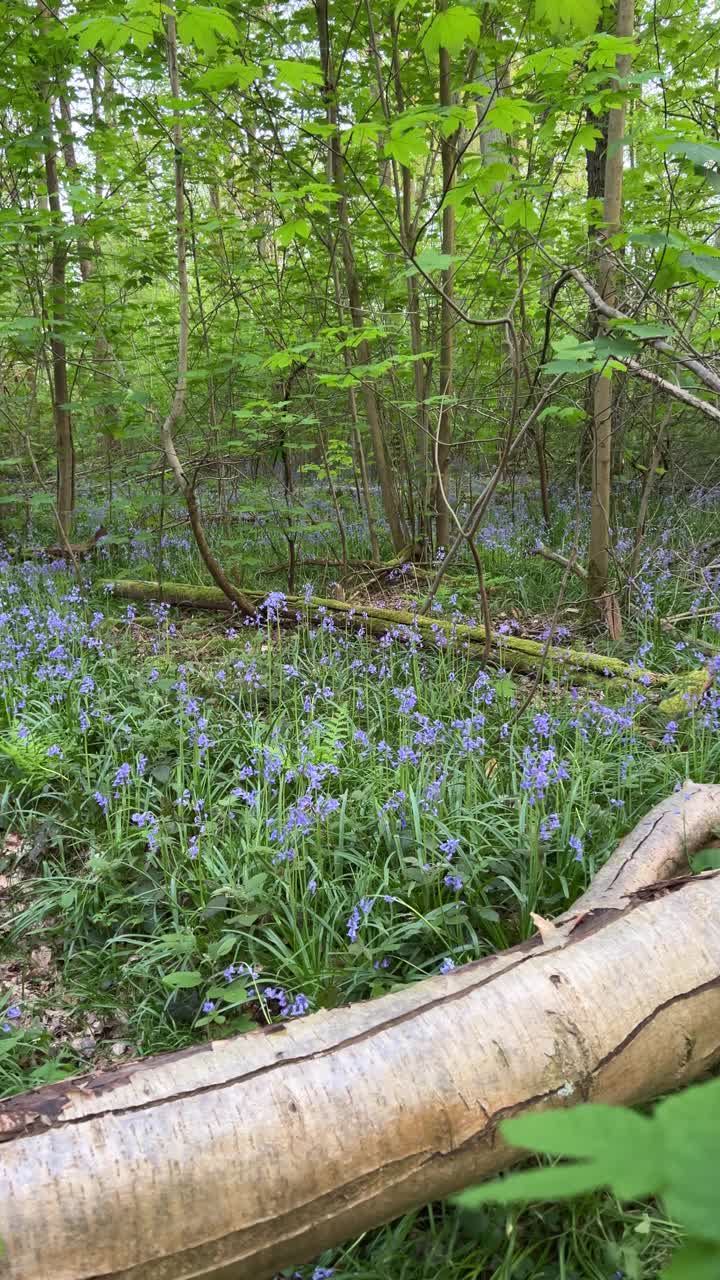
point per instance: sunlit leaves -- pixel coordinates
(506, 113)
(204, 27)
(235, 75)
(521, 212)
(451, 29)
(297, 229)
(563, 15)
(292, 74)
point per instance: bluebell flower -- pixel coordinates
(548, 825)
(122, 776)
(577, 845)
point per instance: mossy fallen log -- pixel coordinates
(507, 651)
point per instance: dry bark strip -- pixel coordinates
(239, 1157)
(509, 651)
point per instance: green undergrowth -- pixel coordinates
(212, 826)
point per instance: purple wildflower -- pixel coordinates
(577, 845)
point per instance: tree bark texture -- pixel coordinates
(599, 549)
(239, 1157)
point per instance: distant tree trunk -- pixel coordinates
(408, 231)
(336, 175)
(104, 358)
(177, 407)
(599, 550)
(64, 447)
(448, 318)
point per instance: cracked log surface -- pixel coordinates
(242, 1156)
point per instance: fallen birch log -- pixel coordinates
(508, 651)
(239, 1157)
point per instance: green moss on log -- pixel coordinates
(509, 651)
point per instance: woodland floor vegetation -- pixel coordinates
(214, 823)
(408, 308)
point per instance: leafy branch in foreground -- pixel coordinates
(673, 1154)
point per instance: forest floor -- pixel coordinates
(205, 827)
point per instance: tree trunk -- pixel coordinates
(448, 319)
(187, 488)
(64, 447)
(336, 175)
(599, 550)
(237, 1158)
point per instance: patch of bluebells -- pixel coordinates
(288, 1006)
(541, 769)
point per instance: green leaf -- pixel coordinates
(623, 1147)
(433, 260)
(694, 1261)
(704, 264)
(450, 30)
(585, 139)
(178, 941)
(289, 231)
(405, 145)
(203, 26)
(561, 1182)
(182, 979)
(232, 992)
(237, 74)
(690, 1128)
(558, 15)
(643, 330)
(521, 213)
(113, 33)
(700, 153)
(506, 113)
(706, 859)
(7, 1044)
(294, 74)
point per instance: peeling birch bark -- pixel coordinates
(242, 1156)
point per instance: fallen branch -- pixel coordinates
(508, 651)
(556, 558)
(247, 1155)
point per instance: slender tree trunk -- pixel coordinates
(448, 319)
(357, 438)
(336, 174)
(240, 1157)
(177, 407)
(405, 198)
(64, 446)
(104, 358)
(600, 515)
